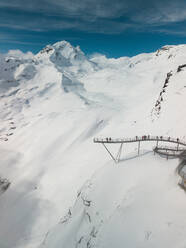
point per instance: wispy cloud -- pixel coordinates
(101, 16)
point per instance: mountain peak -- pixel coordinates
(67, 50)
(62, 44)
(61, 51)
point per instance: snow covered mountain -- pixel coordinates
(62, 190)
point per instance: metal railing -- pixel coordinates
(140, 138)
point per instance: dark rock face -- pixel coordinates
(180, 67)
(158, 103)
(4, 185)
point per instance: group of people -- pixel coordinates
(145, 137)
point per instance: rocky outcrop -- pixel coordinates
(180, 67)
(4, 185)
(158, 105)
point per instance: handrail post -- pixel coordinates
(167, 154)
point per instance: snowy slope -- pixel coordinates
(52, 105)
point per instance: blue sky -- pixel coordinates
(115, 28)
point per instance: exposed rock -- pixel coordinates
(180, 67)
(4, 184)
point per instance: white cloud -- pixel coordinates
(17, 53)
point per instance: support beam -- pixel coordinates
(138, 147)
(109, 153)
(119, 153)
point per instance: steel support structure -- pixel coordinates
(117, 158)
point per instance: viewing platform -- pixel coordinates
(163, 150)
(141, 138)
(178, 151)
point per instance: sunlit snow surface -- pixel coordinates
(65, 191)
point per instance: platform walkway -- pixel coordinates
(170, 151)
(176, 151)
(141, 138)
